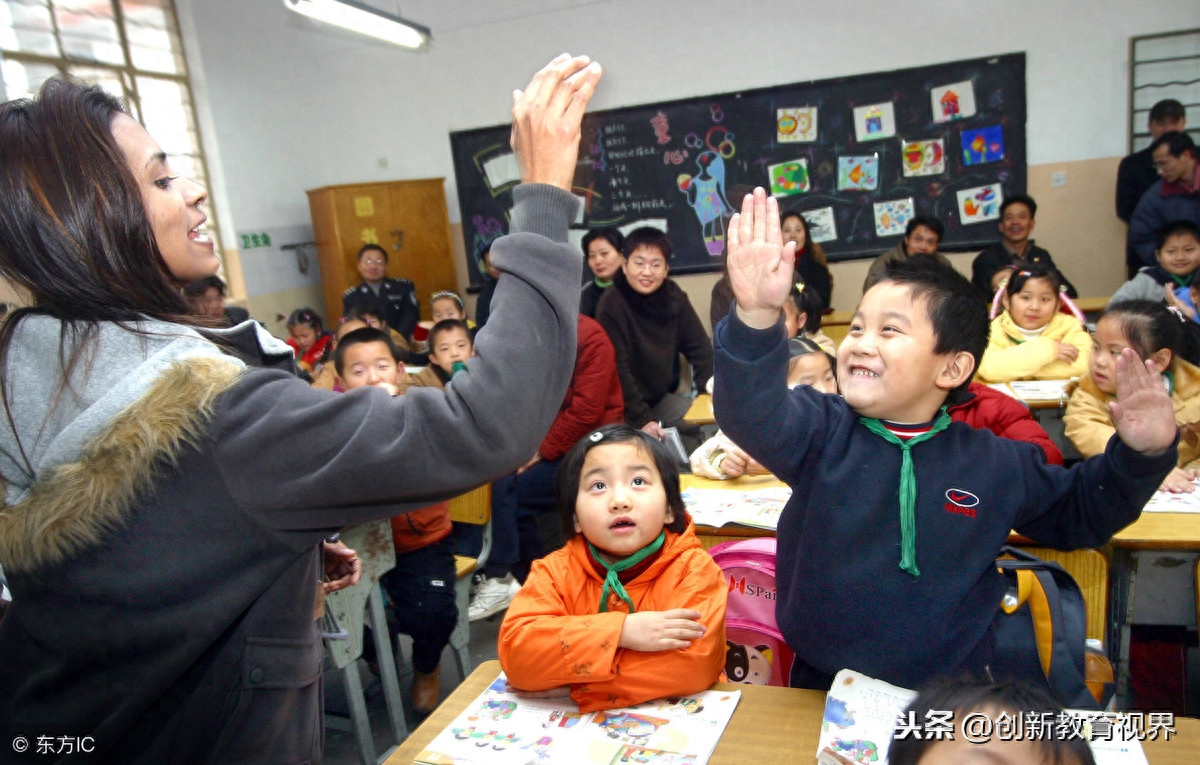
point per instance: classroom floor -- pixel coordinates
(341, 748)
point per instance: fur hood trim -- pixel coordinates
(77, 503)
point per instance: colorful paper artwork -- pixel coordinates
(892, 217)
(982, 145)
(874, 122)
(923, 157)
(980, 203)
(858, 173)
(821, 224)
(796, 125)
(789, 177)
(953, 102)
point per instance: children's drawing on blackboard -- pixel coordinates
(858, 173)
(822, 226)
(980, 204)
(796, 125)
(953, 102)
(982, 145)
(924, 157)
(874, 122)
(706, 194)
(787, 178)
(892, 216)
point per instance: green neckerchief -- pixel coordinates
(601, 283)
(1182, 281)
(612, 582)
(908, 483)
(1168, 375)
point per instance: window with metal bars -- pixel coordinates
(1163, 66)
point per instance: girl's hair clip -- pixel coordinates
(1178, 313)
(1025, 273)
(596, 436)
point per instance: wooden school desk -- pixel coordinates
(1152, 531)
(730, 532)
(771, 726)
(701, 411)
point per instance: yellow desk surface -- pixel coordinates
(701, 411)
(715, 535)
(771, 726)
(1161, 531)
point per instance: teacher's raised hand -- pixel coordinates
(760, 264)
(547, 117)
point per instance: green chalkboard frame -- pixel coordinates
(633, 159)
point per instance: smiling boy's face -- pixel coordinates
(887, 368)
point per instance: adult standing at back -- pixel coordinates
(651, 322)
(1175, 196)
(395, 298)
(922, 236)
(1015, 248)
(1136, 173)
(165, 503)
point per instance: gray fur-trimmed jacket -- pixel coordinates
(162, 516)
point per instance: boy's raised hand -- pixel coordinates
(1142, 414)
(547, 116)
(760, 264)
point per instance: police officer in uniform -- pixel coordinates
(397, 298)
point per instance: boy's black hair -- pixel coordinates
(360, 312)
(959, 317)
(611, 235)
(647, 236)
(1033, 271)
(445, 325)
(200, 286)
(1167, 109)
(571, 467)
(1019, 199)
(929, 222)
(962, 696)
(1177, 228)
(367, 248)
(306, 316)
(1150, 326)
(361, 337)
(808, 302)
(1176, 142)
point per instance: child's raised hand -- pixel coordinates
(1142, 414)
(661, 630)
(1174, 302)
(547, 117)
(760, 264)
(1066, 352)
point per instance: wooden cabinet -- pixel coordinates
(406, 218)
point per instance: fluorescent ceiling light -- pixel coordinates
(359, 18)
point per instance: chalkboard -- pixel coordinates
(858, 156)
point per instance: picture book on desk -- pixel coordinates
(1171, 502)
(861, 714)
(501, 728)
(759, 508)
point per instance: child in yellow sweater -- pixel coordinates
(1163, 338)
(1031, 339)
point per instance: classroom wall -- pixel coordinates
(288, 106)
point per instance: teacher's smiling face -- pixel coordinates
(172, 204)
(646, 269)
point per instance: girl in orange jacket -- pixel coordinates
(632, 608)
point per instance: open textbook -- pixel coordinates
(862, 714)
(501, 728)
(750, 507)
(1170, 502)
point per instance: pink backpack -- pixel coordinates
(756, 652)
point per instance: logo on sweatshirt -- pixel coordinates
(961, 502)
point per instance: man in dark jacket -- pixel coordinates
(1015, 248)
(396, 299)
(1136, 173)
(1176, 195)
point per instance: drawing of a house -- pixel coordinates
(874, 120)
(949, 102)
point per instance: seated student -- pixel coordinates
(1178, 255)
(719, 458)
(802, 317)
(395, 299)
(526, 495)
(963, 698)
(633, 608)
(208, 296)
(326, 376)
(450, 346)
(309, 340)
(422, 583)
(375, 317)
(651, 322)
(982, 406)
(922, 236)
(448, 305)
(1175, 196)
(883, 572)
(1031, 339)
(603, 249)
(1015, 249)
(1168, 343)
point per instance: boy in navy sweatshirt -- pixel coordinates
(887, 548)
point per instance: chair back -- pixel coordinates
(373, 543)
(1089, 569)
